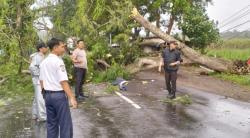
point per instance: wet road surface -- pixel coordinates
(110, 116)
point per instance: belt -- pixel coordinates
(48, 91)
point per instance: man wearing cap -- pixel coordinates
(79, 58)
(38, 107)
(171, 58)
(57, 92)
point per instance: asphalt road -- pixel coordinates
(112, 116)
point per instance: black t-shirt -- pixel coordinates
(171, 56)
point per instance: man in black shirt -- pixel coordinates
(171, 58)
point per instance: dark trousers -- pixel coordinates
(58, 115)
(170, 78)
(80, 74)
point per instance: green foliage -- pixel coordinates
(230, 53)
(16, 85)
(184, 100)
(110, 74)
(235, 43)
(17, 34)
(200, 30)
(232, 49)
(69, 67)
(239, 79)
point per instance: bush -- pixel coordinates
(17, 85)
(110, 74)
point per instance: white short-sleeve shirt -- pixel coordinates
(52, 72)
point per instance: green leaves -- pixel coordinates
(200, 30)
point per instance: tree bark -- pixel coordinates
(212, 63)
(18, 28)
(145, 63)
(104, 63)
(151, 42)
(158, 18)
(170, 24)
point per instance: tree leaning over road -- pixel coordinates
(212, 63)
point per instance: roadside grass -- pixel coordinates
(231, 49)
(239, 79)
(17, 85)
(14, 88)
(236, 43)
(229, 53)
(110, 89)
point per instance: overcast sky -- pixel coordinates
(222, 9)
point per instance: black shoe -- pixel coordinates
(84, 96)
(171, 96)
(80, 98)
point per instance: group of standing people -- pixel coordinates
(52, 90)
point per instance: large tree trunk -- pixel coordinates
(152, 42)
(145, 63)
(212, 63)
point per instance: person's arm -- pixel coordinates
(66, 88)
(41, 78)
(41, 83)
(34, 67)
(42, 89)
(63, 79)
(161, 62)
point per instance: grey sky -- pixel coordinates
(222, 9)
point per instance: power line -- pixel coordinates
(236, 18)
(236, 13)
(236, 26)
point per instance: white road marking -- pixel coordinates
(128, 100)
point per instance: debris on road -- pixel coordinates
(184, 100)
(121, 83)
(144, 82)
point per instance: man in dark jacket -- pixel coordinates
(171, 58)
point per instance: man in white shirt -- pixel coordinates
(38, 107)
(56, 90)
(79, 58)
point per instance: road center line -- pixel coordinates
(128, 100)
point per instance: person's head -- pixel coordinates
(56, 46)
(172, 44)
(41, 47)
(80, 44)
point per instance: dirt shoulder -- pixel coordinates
(190, 77)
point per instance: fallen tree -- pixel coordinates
(103, 63)
(151, 42)
(216, 64)
(145, 63)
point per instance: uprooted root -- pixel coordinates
(241, 67)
